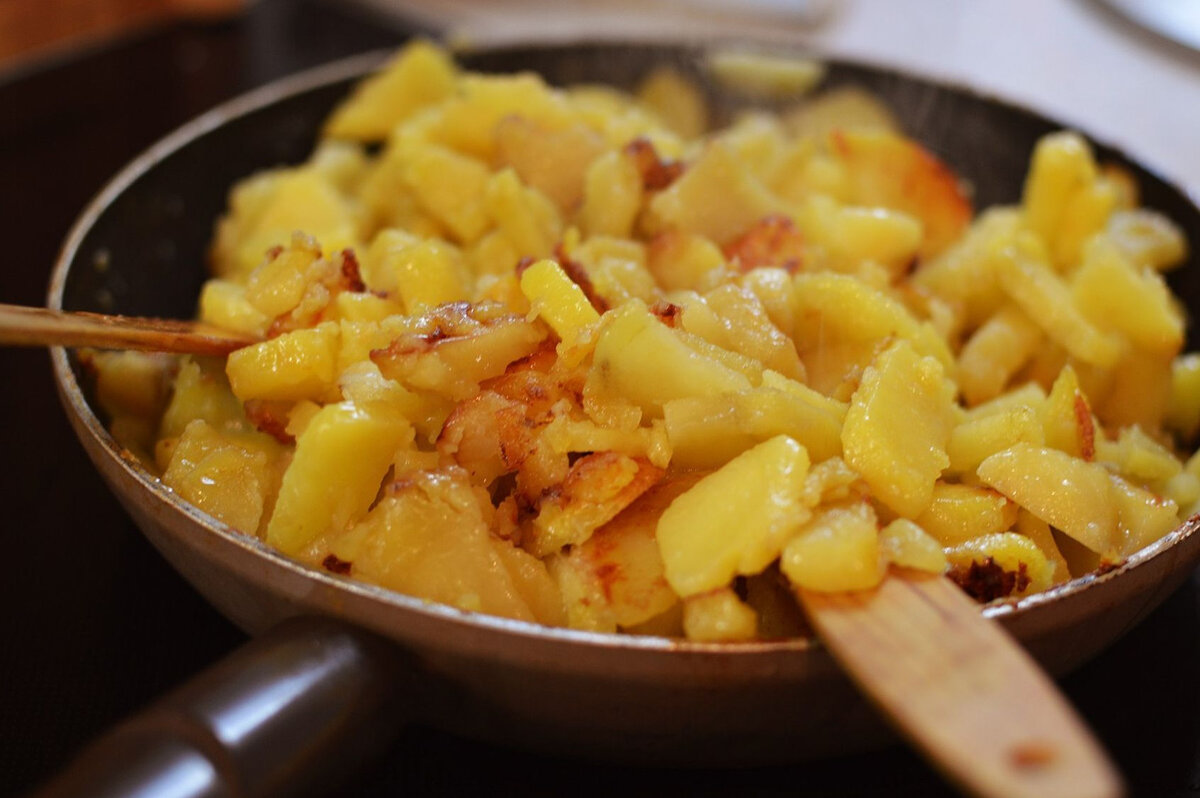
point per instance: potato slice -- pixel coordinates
(428, 537)
(612, 196)
(1112, 291)
(620, 563)
(716, 197)
(648, 363)
(735, 520)
(961, 512)
(301, 364)
(977, 438)
(1148, 238)
(1183, 405)
(1143, 516)
(1039, 532)
(888, 169)
(420, 75)
(1066, 492)
(558, 301)
(995, 352)
(465, 346)
(718, 616)
(831, 309)
(524, 215)
(707, 431)
(837, 550)
(1047, 300)
(897, 427)
(1067, 417)
(335, 473)
(1000, 565)
(553, 161)
(599, 486)
(422, 274)
(232, 476)
(908, 545)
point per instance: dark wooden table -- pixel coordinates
(94, 624)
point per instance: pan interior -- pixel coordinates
(142, 247)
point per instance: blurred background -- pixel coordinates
(96, 625)
(1127, 70)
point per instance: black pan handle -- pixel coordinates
(287, 714)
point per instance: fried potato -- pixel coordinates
(596, 365)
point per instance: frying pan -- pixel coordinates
(316, 687)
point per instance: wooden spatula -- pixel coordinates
(961, 690)
(23, 326)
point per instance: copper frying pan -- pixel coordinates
(555, 690)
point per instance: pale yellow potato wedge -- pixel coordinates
(716, 198)
(718, 616)
(961, 512)
(1143, 516)
(897, 428)
(335, 473)
(620, 563)
(558, 301)
(1066, 492)
(906, 544)
(426, 537)
(648, 363)
(978, 437)
(420, 75)
(735, 520)
(837, 550)
(301, 364)
(1111, 290)
(232, 476)
(707, 431)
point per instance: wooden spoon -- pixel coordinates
(23, 326)
(963, 691)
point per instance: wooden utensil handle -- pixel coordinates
(24, 326)
(963, 690)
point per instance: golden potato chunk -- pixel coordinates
(427, 538)
(301, 364)
(999, 566)
(640, 358)
(887, 169)
(906, 544)
(597, 487)
(716, 197)
(558, 301)
(718, 616)
(961, 512)
(621, 560)
(464, 346)
(735, 520)
(1064, 491)
(232, 476)
(708, 431)
(837, 550)
(419, 76)
(897, 428)
(335, 474)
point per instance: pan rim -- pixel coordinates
(357, 66)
